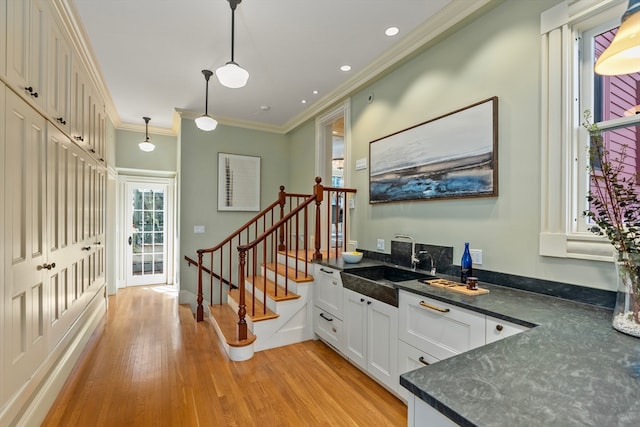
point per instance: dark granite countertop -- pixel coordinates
(571, 369)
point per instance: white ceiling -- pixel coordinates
(151, 52)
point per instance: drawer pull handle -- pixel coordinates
(421, 360)
(325, 317)
(499, 328)
(326, 271)
(433, 307)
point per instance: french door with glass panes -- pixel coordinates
(147, 236)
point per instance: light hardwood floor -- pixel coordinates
(150, 364)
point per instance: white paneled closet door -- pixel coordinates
(26, 255)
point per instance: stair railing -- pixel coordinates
(261, 239)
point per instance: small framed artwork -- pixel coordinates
(238, 182)
(451, 156)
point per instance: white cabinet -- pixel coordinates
(371, 337)
(53, 256)
(328, 327)
(59, 78)
(421, 414)
(327, 311)
(26, 252)
(26, 48)
(328, 290)
(497, 329)
(3, 36)
(437, 328)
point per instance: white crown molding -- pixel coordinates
(449, 17)
(443, 21)
(228, 121)
(152, 129)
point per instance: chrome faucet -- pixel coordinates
(433, 267)
(414, 258)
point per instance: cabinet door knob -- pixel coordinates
(499, 328)
(368, 302)
(361, 299)
(86, 248)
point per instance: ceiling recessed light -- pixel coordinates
(392, 31)
(315, 92)
(346, 68)
(304, 101)
(265, 107)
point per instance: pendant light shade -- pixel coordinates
(206, 122)
(146, 145)
(231, 74)
(623, 54)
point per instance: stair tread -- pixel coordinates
(227, 321)
(282, 295)
(293, 274)
(260, 309)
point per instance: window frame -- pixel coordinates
(566, 91)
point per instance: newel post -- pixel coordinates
(242, 307)
(318, 191)
(200, 308)
(282, 200)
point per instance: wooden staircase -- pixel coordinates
(268, 302)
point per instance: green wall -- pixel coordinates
(198, 184)
(498, 54)
(129, 156)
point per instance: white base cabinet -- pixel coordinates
(371, 337)
(327, 310)
(421, 414)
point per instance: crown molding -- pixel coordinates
(229, 121)
(446, 20)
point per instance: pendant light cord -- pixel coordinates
(233, 4)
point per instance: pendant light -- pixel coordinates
(146, 145)
(231, 74)
(623, 54)
(206, 122)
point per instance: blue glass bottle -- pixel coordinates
(466, 264)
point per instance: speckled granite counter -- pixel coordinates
(572, 369)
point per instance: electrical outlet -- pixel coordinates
(380, 244)
(476, 256)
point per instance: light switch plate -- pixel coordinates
(476, 256)
(361, 164)
(198, 229)
(380, 244)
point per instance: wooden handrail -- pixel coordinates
(268, 233)
(191, 261)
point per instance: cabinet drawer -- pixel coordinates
(410, 358)
(440, 329)
(497, 329)
(328, 327)
(328, 290)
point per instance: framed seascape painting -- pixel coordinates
(451, 156)
(238, 182)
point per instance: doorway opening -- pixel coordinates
(147, 231)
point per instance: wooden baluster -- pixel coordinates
(318, 191)
(282, 200)
(242, 307)
(200, 309)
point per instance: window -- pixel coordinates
(573, 34)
